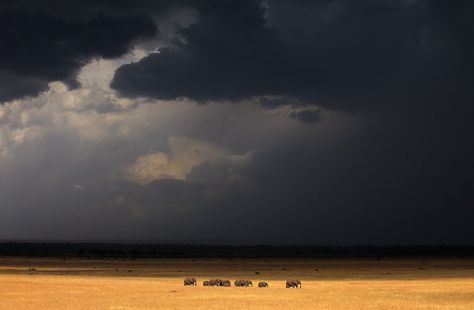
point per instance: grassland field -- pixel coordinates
(327, 283)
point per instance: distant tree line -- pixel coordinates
(119, 250)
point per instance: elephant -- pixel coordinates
(243, 283)
(262, 284)
(215, 282)
(190, 281)
(293, 283)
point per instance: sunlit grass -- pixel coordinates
(158, 284)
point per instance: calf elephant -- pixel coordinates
(206, 283)
(262, 284)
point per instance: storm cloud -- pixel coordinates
(37, 47)
(340, 54)
(307, 122)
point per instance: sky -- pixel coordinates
(329, 122)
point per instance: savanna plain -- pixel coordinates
(327, 283)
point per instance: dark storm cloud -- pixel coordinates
(398, 170)
(227, 54)
(327, 51)
(37, 47)
(339, 54)
(16, 86)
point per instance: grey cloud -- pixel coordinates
(308, 116)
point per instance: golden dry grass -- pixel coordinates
(158, 284)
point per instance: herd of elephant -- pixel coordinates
(221, 282)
